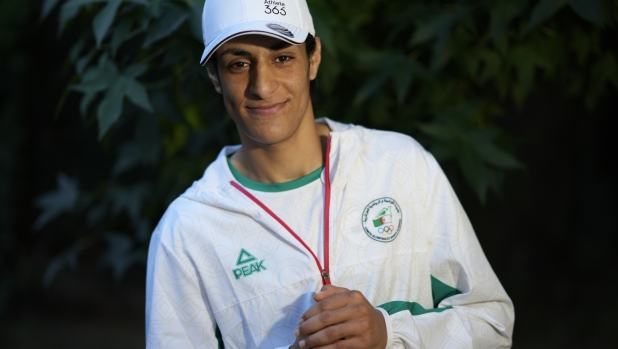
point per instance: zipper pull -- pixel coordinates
(325, 275)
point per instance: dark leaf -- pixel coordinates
(87, 99)
(118, 255)
(81, 63)
(120, 34)
(144, 150)
(171, 19)
(70, 9)
(48, 6)
(589, 10)
(143, 230)
(491, 64)
(371, 86)
(104, 20)
(68, 258)
(439, 131)
(163, 104)
(474, 172)
(91, 86)
(135, 70)
(76, 50)
(544, 10)
(110, 108)
(525, 59)
(66, 14)
(129, 200)
(96, 215)
(57, 202)
(435, 27)
(148, 138)
(502, 13)
(498, 157)
(94, 81)
(137, 93)
(403, 80)
(196, 18)
(442, 152)
(129, 156)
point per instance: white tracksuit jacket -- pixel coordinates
(223, 272)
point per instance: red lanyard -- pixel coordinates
(324, 272)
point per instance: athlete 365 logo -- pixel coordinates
(382, 219)
(274, 7)
(247, 264)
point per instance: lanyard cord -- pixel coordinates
(324, 272)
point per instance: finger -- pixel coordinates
(327, 291)
(333, 302)
(325, 319)
(350, 342)
(328, 335)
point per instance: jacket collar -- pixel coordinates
(214, 187)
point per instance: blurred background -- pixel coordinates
(106, 117)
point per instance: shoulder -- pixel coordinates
(393, 148)
(191, 214)
(389, 138)
(182, 222)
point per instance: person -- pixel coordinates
(312, 233)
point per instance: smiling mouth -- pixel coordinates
(267, 109)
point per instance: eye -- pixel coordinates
(283, 59)
(239, 64)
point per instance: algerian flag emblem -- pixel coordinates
(245, 257)
(383, 217)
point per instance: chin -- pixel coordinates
(269, 132)
(268, 138)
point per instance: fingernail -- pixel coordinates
(301, 344)
(296, 332)
(301, 320)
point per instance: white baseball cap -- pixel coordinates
(223, 20)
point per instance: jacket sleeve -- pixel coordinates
(177, 311)
(470, 307)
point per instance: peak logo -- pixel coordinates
(247, 264)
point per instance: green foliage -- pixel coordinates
(55, 203)
(445, 73)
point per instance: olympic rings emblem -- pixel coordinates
(389, 229)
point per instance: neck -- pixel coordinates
(282, 162)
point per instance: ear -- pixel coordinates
(315, 59)
(213, 74)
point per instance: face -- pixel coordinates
(265, 86)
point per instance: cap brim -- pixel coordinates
(292, 34)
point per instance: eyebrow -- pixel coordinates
(235, 52)
(244, 53)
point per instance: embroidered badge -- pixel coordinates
(382, 219)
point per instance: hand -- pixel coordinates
(341, 319)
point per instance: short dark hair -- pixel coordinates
(310, 46)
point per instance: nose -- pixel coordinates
(263, 81)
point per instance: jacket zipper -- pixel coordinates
(324, 272)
